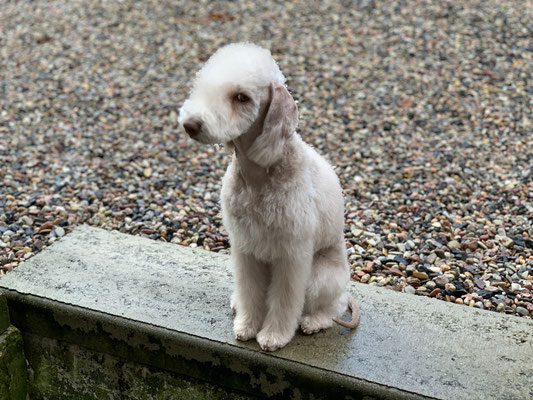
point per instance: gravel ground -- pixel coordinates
(423, 106)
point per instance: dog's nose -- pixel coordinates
(192, 127)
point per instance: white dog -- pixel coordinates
(282, 203)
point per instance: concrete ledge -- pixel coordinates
(167, 306)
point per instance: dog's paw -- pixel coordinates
(243, 331)
(314, 323)
(271, 341)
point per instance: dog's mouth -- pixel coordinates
(201, 136)
(199, 139)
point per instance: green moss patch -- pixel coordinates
(13, 373)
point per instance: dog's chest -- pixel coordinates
(266, 220)
(266, 211)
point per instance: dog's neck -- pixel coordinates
(252, 173)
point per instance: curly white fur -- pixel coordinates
(282, 203)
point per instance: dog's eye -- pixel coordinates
(242, 98)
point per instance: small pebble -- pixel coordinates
(431, 258)
(410, 290)
(420, 275)
(454, 244)
(60, 232)
(522, 311)
(441, 280)
(430, 285)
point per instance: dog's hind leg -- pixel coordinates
(325, 294)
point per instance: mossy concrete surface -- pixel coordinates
(13, 374)
(63, 371)
(167, 307)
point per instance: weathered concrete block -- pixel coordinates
(167, 306)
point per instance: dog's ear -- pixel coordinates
(279, 124)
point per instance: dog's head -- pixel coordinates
(238, 89)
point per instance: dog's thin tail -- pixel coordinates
(356, 314)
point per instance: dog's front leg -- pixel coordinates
(285, 300)
(251, 281)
